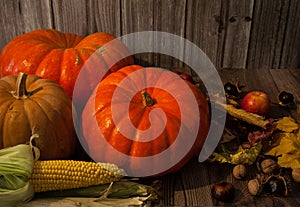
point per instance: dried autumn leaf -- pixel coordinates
(288, 150)
(287, 124)
(240, 156)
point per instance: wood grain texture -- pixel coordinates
(237, 17)
(267, 33)
(234, 34)
(70, 16)
(104, 16)
(291, 45)
(19, 17)
(203, 26)
(137, 16)
(169, 16)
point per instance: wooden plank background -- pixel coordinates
(233, 33)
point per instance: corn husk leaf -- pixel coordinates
(119, 189)
(16, 164)
(122, 193)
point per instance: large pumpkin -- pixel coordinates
(60, 56)
(30, 104)
(135, 92)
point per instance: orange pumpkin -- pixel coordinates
(103, 120)
(30, 104)
(60, 56)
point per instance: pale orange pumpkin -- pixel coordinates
(30, 104)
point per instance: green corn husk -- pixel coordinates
(16, 165)
(123, 193)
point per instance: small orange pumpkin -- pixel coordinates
(98, 117)
(30, 104)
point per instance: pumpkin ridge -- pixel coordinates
(48, 83)
(51, 106)
(4, 120)
(50, 126)
(44, 36)
(76, 39)
(40, 71)
(42, 58)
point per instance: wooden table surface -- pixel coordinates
(191, 186)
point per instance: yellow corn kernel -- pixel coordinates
(67, 174)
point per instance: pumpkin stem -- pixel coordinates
(147, 99)
(21, 91)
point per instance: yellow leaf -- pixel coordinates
(288, 149)
(287, 124)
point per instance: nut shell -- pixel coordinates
(296, 175)
(239, 171)
(254, 187)
(269, 166)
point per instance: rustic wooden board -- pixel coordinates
(203, 26)
(267, 32)
(292, 37)
(70, 20)
(169, 16)
(234, 34)
(238, 19)
(105, 16)
(137, 16)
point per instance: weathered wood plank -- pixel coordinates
(203, 26)
(169, 16)
(195, 179)
(287, 80)
(18, 17)
(104, 16)
(137, 16)
(267, 33)
(234, 47)
(290, 54)
(70, 16)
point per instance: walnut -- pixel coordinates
(269, 166)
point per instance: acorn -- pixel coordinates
(223, 191)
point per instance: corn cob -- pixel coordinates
(53, 175)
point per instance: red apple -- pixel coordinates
(256, 102)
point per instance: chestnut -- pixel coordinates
(231, 89)
(223, 191)
(286, 99)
